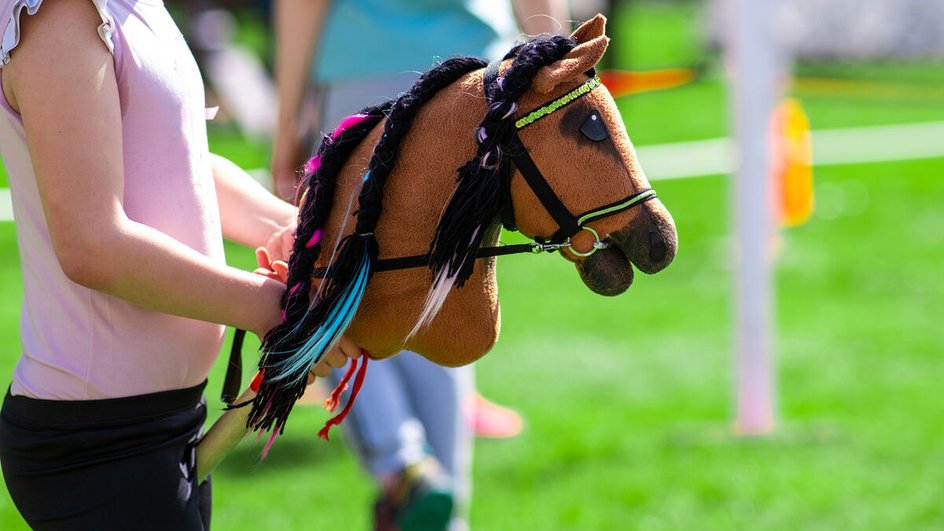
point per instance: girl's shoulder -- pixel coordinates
(13, 11)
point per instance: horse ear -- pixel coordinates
(591, 44)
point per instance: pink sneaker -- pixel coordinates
(493, 421)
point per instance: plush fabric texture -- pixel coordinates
(311, 329)
(585, 174)
(589, 51)
(421, 174)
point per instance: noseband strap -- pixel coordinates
(618, 206)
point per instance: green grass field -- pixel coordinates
(628, 400)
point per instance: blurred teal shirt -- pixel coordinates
(365, 39)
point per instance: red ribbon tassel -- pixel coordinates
(256, 381)
(342, 385)
(331, 403)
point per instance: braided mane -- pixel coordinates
(313, 325)
(477, 199)
(469, 132)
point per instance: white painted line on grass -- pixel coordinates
(682, 160)
(878, 144)
(853, 145)
(6, 205)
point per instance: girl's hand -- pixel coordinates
(280, 243)
(333, 359)
(274, 269)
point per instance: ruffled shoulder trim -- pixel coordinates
(11, 34)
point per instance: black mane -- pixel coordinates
(287, 352)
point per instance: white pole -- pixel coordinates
(755, 68)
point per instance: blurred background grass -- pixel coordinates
(628, 400)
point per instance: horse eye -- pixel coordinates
(594, 128)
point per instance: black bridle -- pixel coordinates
(568, 224)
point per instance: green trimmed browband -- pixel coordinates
(543, 111)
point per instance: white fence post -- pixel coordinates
(755, 74)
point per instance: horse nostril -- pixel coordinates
(656, 247)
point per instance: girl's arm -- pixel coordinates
(61, 79)
(249, 213)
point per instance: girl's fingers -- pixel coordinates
(262, 258)
(280, 268)
(335, 359)
(266, 273)
(321, 369)
(277, 270)
(349, 348)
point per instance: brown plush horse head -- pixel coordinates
(539, 146)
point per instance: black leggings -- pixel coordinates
(122, 463)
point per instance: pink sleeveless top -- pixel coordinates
(80, 344)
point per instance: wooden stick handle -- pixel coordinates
(223, 436)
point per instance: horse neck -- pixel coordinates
(441, 140)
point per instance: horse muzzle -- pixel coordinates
(648, 242)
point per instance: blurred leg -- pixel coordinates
(441, 398)
(408, 408)
(381, 426)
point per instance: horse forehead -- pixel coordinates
(586, 173)
(560, 134)
(570, 117)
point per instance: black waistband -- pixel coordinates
(76, 413)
